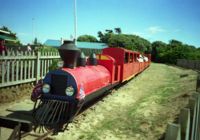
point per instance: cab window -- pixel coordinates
(126, 58)
(135, 57)
(131, 58)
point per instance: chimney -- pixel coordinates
(93, 59)
(82, 60)
(69, 54)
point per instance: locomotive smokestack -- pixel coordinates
(69, 54)
(93, 59)
(82, 60)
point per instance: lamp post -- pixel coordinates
(33, 34)
(75, 22)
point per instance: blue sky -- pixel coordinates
(152, 19)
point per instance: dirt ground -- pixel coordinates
(15, 93)
(139, 110)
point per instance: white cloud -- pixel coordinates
(155, 29)
(139, 33)
(142, 34)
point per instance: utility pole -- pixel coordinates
(75, 22)
(33, 34)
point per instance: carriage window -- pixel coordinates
(135, 57)
(126, 58)
(131, 58)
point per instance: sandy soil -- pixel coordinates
(15, 93)
(140, 110)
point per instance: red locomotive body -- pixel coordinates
(90, 78)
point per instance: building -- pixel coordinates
(4, 35)
(81, 45)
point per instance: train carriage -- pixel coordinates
(127, 60)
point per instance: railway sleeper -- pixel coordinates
(17, 125)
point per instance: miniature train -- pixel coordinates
(63, 92)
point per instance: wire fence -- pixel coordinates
(191, 64)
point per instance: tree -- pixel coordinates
(159, 49)
(131, 42)
(104, 37)
(119, 40)
(169, 53)
(159, 44)
(109, 31)
(161, 52)
(154, 54)
(100, 34)
(87, 38)
(118, 30)
(35, 42)
(175, 43)
(4, 28)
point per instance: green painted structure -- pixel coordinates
(4, 35)
(84, 45)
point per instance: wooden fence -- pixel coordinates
(191, 64)
(188, 126)
(23, 67)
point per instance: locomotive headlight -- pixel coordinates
(46, 88)
(69, 91)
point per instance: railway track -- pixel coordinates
(25, 128)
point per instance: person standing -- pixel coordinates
(29, 48)
(2, 47)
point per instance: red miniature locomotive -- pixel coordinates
(65, 91)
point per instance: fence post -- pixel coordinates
(173, 132)
(184, 121)
(198, 83)
(196, 96)
(192, 106)
(198, 120)
(38, 66)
